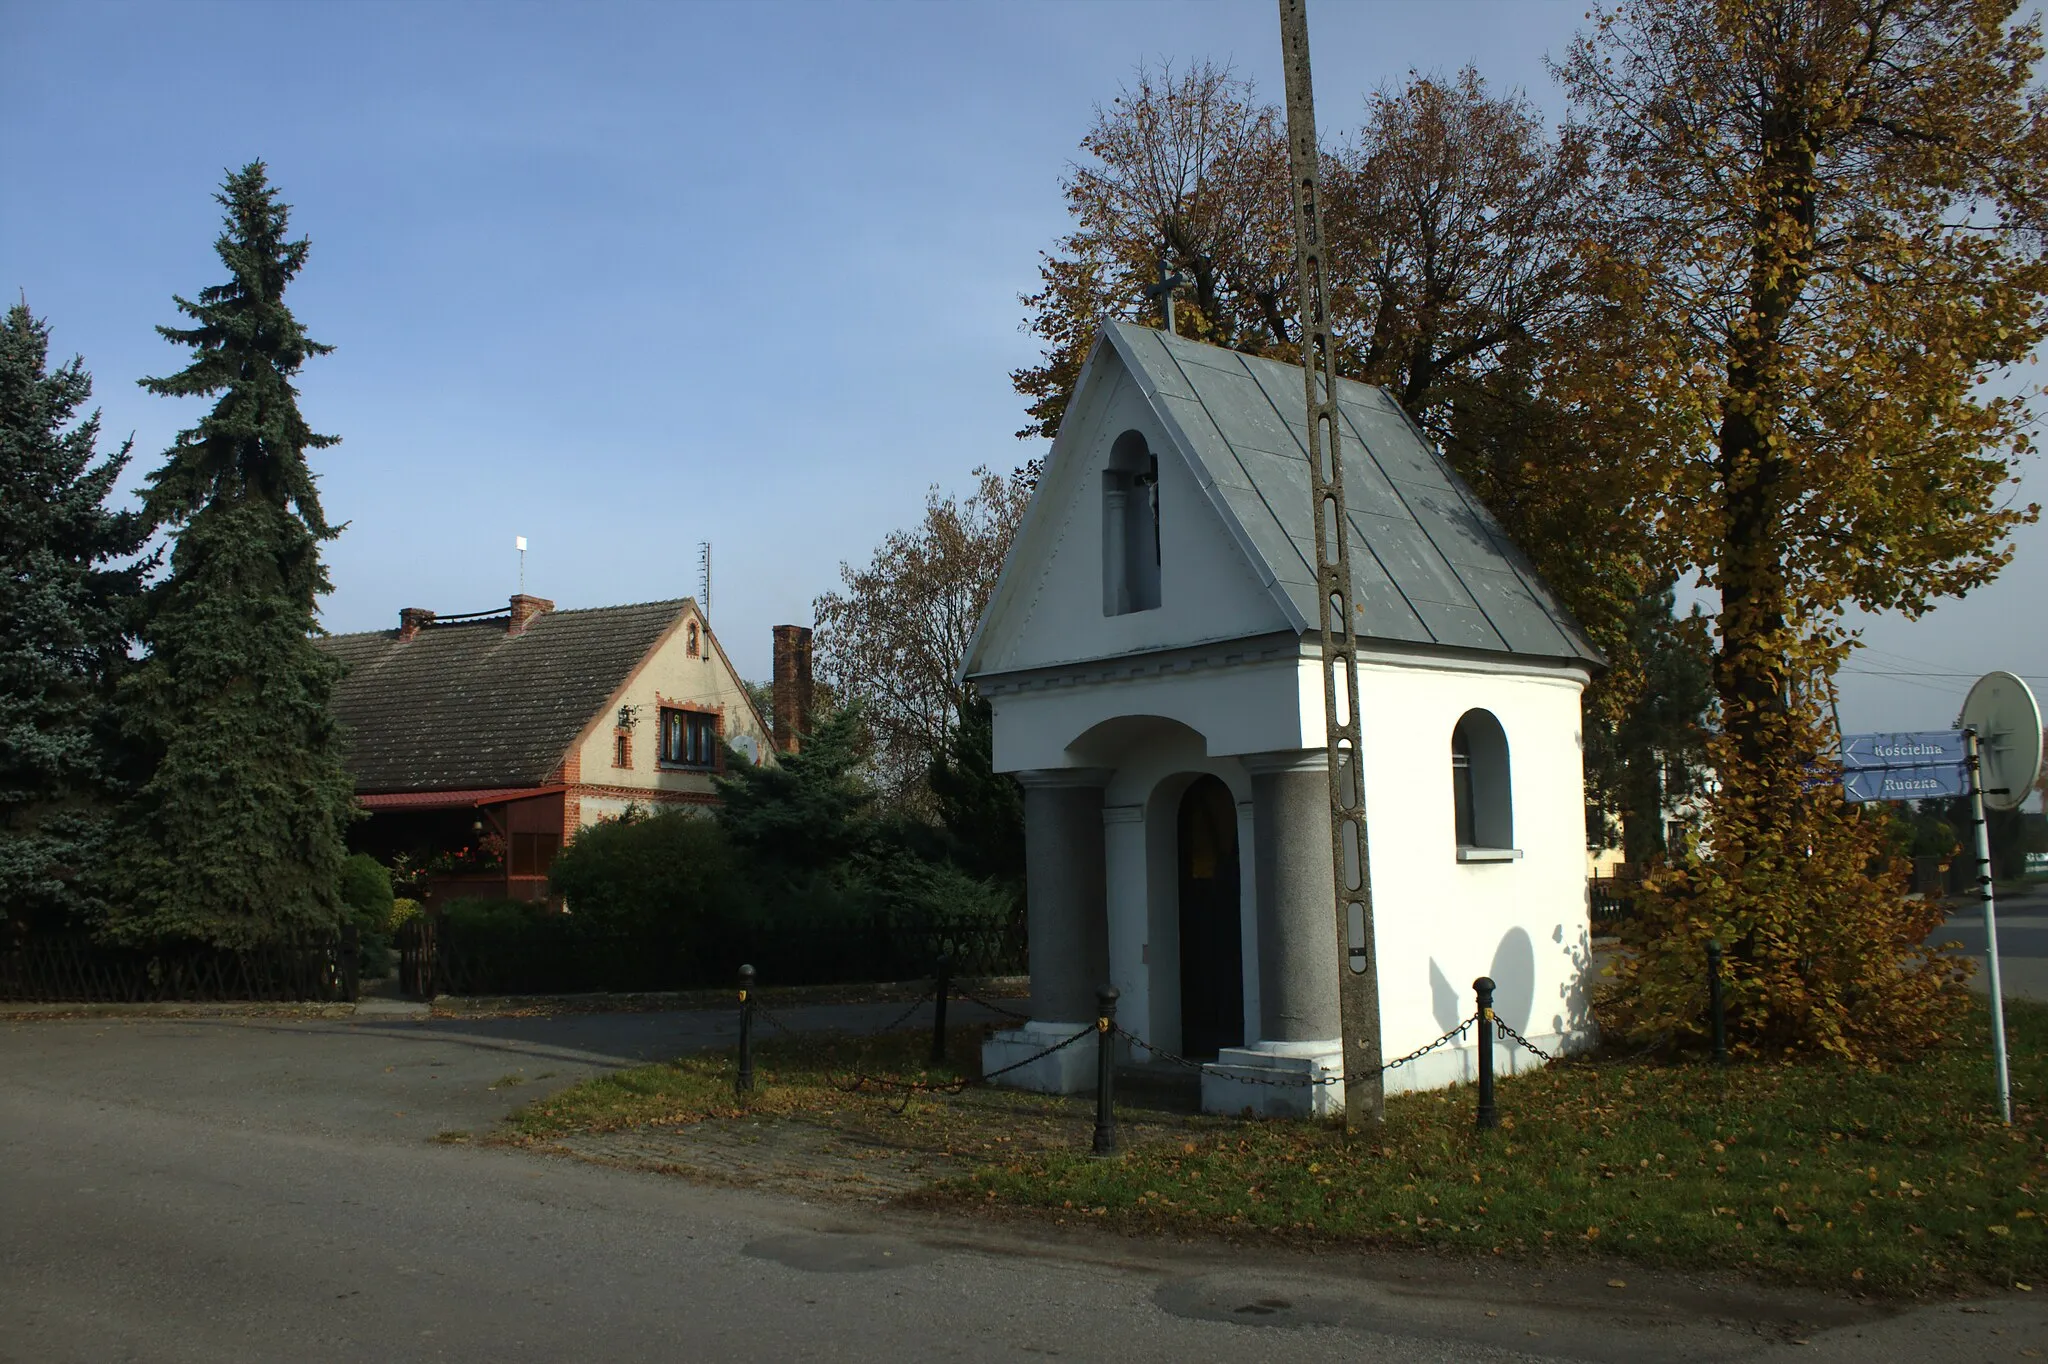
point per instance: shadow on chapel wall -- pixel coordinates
(1575, 995)
(1514, 986)
(1514, 979)
(1449, 1005)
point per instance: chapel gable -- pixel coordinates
(1124, 551)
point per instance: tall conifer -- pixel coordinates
(66, 603)
(237, 835)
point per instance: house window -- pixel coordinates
(622, 749)
(689, 738)
(691, 646)
(1130, 527)
(1483, 809)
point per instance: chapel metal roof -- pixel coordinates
(1429, 564)
(467, 707)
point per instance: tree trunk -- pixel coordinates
(1750, 669)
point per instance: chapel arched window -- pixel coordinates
(1481, 792)
(1130, 527)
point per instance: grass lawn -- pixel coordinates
(1897, 1181)
(800, 1078)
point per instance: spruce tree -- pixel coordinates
(66, 602)
(236, 837)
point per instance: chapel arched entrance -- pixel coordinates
(1211, 934)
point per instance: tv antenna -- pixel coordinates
(704, 580)
(519, 543)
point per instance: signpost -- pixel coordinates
(2003, 723)
(1993, 757)
(1919, 766)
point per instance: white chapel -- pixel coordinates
(1151, 654)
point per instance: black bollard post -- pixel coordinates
(1720, 1020)
(1488, 1115)
(743, 1083)
(1105, 1071)
(942, 983)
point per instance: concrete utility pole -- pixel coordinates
(1358, 987)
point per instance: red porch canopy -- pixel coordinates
(451, 800)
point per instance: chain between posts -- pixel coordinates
(910, 1089)
(862, 1082)
(893, 1024)
(1395, 1064)
(1514, 1036)
(994, 1008)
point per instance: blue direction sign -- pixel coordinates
(1905, 783)
(1916, 766)
(1929, 748)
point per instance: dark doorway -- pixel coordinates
(1211, 936)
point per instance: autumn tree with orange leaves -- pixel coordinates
(1464, 279)
(1826, 217)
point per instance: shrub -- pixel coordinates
(366, 887)
(668, 872)
(911, 891)
(490, 913)
(1824, 952)
(365, 892)
(403, 911)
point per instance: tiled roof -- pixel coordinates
(1429, 564)
(466, 706)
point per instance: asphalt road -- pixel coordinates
(2022, 943)
(229, 1190)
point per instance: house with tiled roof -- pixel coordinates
(480, 743)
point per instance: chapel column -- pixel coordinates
(1066, 909)
(1297, 903)
(1065, 881)
(1300, 1029)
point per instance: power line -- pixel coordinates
(1886, 672)
(1936, 688)
(1895, 654)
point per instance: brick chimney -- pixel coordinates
(410, 619)
(792, 689)
(526, 610)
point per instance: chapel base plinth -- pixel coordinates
(1276, 1079)
(1070, 1070)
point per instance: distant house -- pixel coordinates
(481, 743)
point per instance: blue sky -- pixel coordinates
(621, 278)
